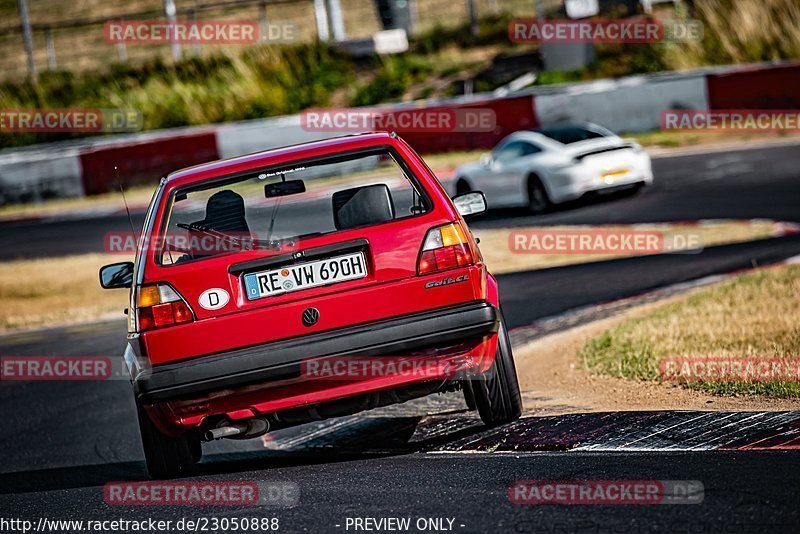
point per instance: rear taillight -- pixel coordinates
(159, 305)
(445, 247)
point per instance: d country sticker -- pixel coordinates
(213, 299)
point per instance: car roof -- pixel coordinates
(255, 160)
(568, 127)
(542, 135)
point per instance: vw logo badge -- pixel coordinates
(310, 316)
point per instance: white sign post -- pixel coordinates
(581, 9)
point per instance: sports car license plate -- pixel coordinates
(305, 275)
(610, 176)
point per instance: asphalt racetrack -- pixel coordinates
(62, 441)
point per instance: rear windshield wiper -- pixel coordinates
(278, 244)
(194, 227)
(251, 244)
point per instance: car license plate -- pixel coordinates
(610, 177)
(305, 275)
(618, 172)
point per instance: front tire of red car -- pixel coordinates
(496, 392)
(167, 456)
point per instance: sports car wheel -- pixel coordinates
(538, 201)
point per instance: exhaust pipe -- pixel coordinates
(249, 429)
(224, 432)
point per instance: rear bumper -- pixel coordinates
(274, 361)
(576, 182)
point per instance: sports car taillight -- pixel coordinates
(445, 247)
(159, 305)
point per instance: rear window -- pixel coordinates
(276, 207)
(569, 135)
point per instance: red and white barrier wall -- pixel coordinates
(757, 87)
(629, 105)
(144, 161)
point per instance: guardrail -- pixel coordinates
(627, 105)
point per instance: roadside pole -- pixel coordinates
(175, 46)
(337, 20)
(27, 37)
(321, 16)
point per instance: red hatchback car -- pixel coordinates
(302, 283)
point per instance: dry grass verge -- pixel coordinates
(554, 381)
(753, 316)
(53, 291)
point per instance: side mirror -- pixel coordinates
(470, 204)
(486, 159)
(116, 275)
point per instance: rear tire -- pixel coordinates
(469, 395)
(538, 201)
(496, 392)
(167, 456)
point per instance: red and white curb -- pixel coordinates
(666, 431)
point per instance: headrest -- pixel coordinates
(360, 206)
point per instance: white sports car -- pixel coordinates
(537, 168)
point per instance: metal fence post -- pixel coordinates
(474, 29)
(321, 15)
(51, 49)
(337, 20)
(27, 36)
(170, 11)
(262, 14)
(193, 20)
(414, 15)
(122, 53)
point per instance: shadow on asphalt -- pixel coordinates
(508, 215)
(367, 437)
(361, 438)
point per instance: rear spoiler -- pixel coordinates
(624, 146)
